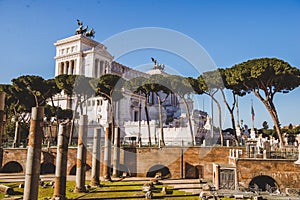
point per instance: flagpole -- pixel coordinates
(252, 113)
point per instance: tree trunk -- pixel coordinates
(107, 153)
(161, 141)
(116, 157)
(220, 124)
(61, 163)
(95, 181)
(50, 137)
(220, 119)
(271, 109)
(81, 154)
(33, 162)
(112, 137)
(231, 110)
(233, 126)
(147, 118)
(278, 130)
(72, 130)
(276, 122)
(189, 120)
(73, 122)
(155, 137)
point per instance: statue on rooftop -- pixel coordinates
(90, 33)
(156, 65)
(154, 61)
(83, 30)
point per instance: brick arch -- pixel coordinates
(47, 168)
(87, 167)
(12, 167)
(124, 168)
(262, 181)
(277, 181)
(47, 157)
(164, 170)
(72, 170)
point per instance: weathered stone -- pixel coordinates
(81, 154)
(164, 191)
(148, 187)
(95, 181)
(6, 190)
(205, 195)
(239, 196)
(158, 176)
(34, 148)
(285, 172)
(206, 187)
(293, 191)
(149, 195)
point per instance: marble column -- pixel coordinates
(65, 68)
(34, 148)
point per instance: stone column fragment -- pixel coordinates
(61, 162)
(95, 181)
(33, 162)
(81, 155)
(116, 157)
(107, 154)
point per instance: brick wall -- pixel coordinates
(285, 172)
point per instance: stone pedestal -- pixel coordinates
(298, 161)
(252, 133)
(264, 154)
(238, 130)
(216, 175)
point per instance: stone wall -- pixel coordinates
(180, 161)
(193, 162)
(285, 172)
(19, 155)
(138, 161)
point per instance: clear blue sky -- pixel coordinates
(230, 31)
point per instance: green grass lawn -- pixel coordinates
(107, 190)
